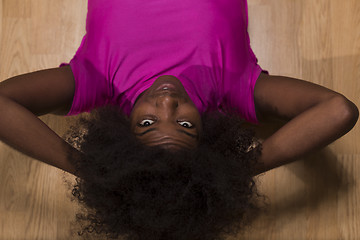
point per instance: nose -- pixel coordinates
(167, 101)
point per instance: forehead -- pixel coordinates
(172, 137)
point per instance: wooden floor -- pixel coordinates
(314, 198)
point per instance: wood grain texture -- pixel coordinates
(314, 198)
(319, 41)
(34, 199)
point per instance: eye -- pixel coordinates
(185, 124)
(146, 123)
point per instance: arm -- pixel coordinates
(25, 96)
(316, 117)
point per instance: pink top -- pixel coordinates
(130, 43)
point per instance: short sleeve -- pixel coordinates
(238, 83)
(238, 93)
(90, 86)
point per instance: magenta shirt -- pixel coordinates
(130, 43)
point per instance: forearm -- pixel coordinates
(22, 130)
(312, 129)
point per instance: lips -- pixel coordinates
(166, 87)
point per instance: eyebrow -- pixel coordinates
(179, 130)
(187, 133)
(145, 132)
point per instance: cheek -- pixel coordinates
(192, 111)
(137, 108)
(135, 112)
(140, 109)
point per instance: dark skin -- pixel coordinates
(307, 105)
(316, 116)
(165, 115)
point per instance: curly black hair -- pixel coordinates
(139, 192)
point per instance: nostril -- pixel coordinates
(167, 101)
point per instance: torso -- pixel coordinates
(203, 43)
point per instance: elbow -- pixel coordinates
(346, 112)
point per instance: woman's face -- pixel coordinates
(165, 115)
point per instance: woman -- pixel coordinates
(165, 64)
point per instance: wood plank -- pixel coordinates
(314, 198)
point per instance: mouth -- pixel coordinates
(166, 87)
